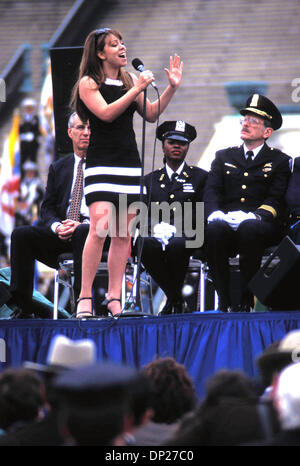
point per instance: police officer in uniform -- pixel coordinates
(165, 255)
(244, 201)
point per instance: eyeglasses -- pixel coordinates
(250, 120)
(82, 127)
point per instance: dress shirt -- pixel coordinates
(170, 171)
(255, 151)
(84, 211)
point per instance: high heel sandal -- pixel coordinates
(106, 303)
(84, 314)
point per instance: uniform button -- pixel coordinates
(266, 176)
(245, 173)
(174, 208)
(227, 173)
(242, 199)
(157, 202)
(244, 186)
(172, 196)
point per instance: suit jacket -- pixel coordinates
(259, 188)
(188, 187)
(57, 194)
(293, 191)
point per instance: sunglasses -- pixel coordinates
(99, 32)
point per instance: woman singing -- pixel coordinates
(108, 96)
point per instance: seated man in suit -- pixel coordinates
(57, 230)
(293, 201)
(166, 255)
(244, 201)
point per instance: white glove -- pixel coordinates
(163, 232)
(216, 215)
(235, 218)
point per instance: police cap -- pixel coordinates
(263, 107)
(178, 130)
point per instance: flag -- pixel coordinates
(46, 104)
(46, 116)
(10, 178)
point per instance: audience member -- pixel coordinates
(244, 202)
(286, 397)
(30, 196)
(227, 416)
(29, 131)
(96, 404)
(172, 395)
(165, 253)
(64, 355)
(55, 232)
(21, 399)
(276, 357)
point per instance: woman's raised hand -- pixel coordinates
(175, 72)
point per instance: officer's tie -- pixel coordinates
(75, 205)
(249, 155)
(174, 178)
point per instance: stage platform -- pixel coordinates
(204, 342)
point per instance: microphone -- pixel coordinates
(139, 66)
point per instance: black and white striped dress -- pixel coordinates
(113, 166)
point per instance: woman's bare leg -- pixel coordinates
(100, 213)
(119, 252)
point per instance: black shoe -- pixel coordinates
(181, 307)
(167, 309)
(225, 309)
(224, 306)
(186, 309)
(21, 314)
(243, 308)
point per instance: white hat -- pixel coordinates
(65, 353)
(30, 165)
(28, 102)
(287, 397)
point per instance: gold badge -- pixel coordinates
(267, 167)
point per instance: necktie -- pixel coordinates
(174, 177)
(74, 211)
(249, 154)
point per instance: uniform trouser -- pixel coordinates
(30, 243)
(168, 268)
(249, 241)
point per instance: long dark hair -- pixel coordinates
(91, 65)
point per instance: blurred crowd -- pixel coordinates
(74, 400)
(26, 183)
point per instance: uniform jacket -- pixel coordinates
(188, 187)
(260, 189)
(56, 199)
